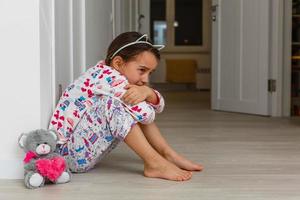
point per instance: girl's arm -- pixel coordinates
(157, 101)
(142, 112)
(136, 94)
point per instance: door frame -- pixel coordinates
(278, 69)
(286, 64)
(47, 61)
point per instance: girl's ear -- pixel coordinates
(117, 63)
(53, 133)
(21, 140)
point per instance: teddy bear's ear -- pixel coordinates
(21, 140)
(53, 133)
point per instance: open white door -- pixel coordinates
(240, 56)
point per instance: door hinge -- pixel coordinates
(214, 12)
(60, 91)
(272, 85)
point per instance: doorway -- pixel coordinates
(186, 60)
(292, 58)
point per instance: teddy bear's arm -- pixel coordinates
(52, 155)
(30, 166)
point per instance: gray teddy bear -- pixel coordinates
(41, 163)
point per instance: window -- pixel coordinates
(188, 22)
(182, 25)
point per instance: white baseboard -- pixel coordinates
(11, 169)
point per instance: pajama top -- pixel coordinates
(82, 94)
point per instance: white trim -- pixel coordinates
(215, 57)
(130, 15)
(78, 38)
(83, 36)
(241, 56)
(118, 20)
(113, 13)
(137, 15)
(53, 71)
(71, 38)
(47, 58)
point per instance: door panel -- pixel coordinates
(241, 56)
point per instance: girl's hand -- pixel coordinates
(136, 94)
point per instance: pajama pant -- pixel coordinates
(99, 131)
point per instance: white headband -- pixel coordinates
(138, 41)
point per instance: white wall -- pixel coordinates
(20, 80)
(104, 21)
(46, 61)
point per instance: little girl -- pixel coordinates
(111, 102)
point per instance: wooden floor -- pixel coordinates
(245, 157)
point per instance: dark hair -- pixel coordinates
(131, 51)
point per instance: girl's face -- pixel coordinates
(138, 70)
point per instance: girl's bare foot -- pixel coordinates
(162, 168)
(182, 162)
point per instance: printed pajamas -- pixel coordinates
(101, 128)
(91, 119)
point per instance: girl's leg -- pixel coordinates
(155, 138)
(155, 165)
